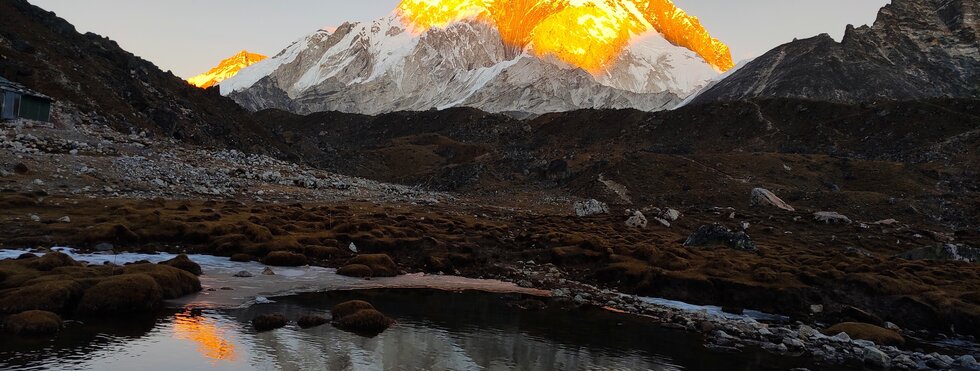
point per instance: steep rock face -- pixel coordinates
(98, 82)
(381, 66)
(916, 49)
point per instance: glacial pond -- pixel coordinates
(443, 323)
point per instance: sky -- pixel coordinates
(189, 37)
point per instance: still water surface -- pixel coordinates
(436, 330)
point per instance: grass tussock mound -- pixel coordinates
(381, 264)
(183, 262)
(355, 270)
(33, 323)
(124, 294)
(311, 321)
(56, 283)
(349, 307)
(365, 322)
(269, 322)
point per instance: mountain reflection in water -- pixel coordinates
(213, 342)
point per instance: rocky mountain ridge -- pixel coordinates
(916, 49)
(382, 66)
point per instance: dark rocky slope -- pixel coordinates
(885, 159)
(95, 81)
(916, 49)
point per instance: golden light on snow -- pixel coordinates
(226, 69)
(585, 33)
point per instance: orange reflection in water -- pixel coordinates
(209, 337)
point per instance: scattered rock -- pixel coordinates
(352, 248)
(763, 197)
(33, 323)
(243, 274)
(64, 219)
(717, 234)
(183, 262)
(590, 207)
(968, 362)
(35, 218)
(830, 217)
(268, 272)
(945, 252)
(285, 259)
(637, 220)
(21, 168)
(886, 222)
(312, 320)
(269, 322)
(866, 331)
(103, 247)
(874, 357)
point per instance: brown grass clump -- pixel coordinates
(173, 282)
(129, 293)
(183, 262)
(269, 322)
(381, 264)
(51, 261)
(348, 307)
(310, 321)
(865, 331)
(53, 296)
(33, 323)
(285, 259)
(365, 322)
(355, 270)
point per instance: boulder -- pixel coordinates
(874, 357)
(717, 234)
(285, 259)
(637, 220)
(368, 322)
(830, 217)
(764, 197)
(243, 274)
(183, 262)
(310, 321)
(33, 323)
(269, 322)
(590, 207)
(381, 264)
(348, 307)
(866, 331)
(355, 270)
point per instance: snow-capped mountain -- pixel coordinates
(384, 66)
(226, 69)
